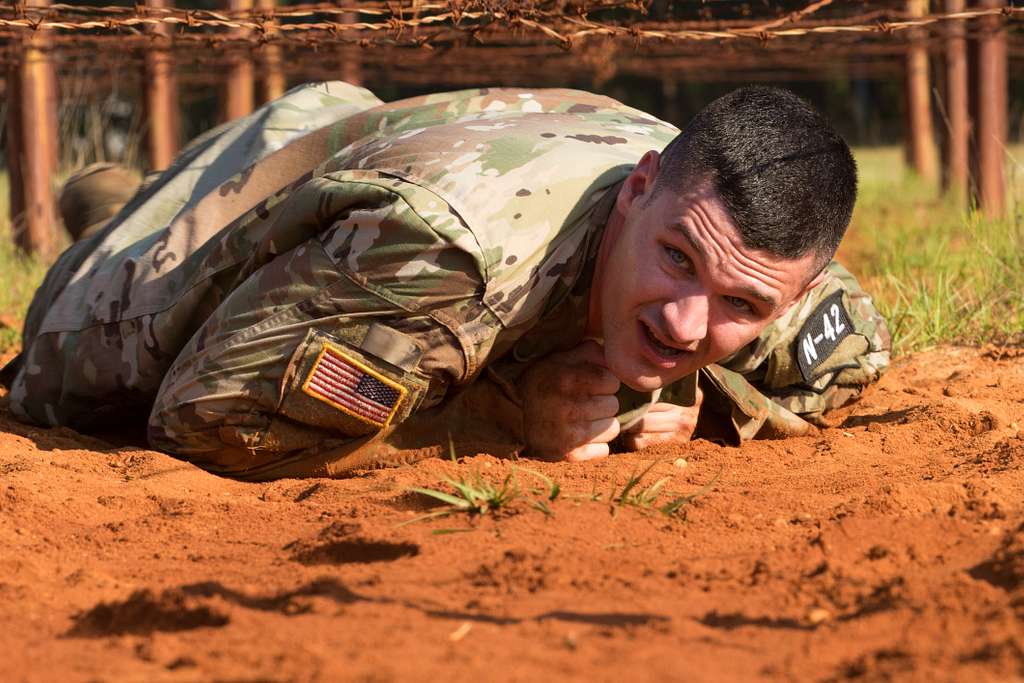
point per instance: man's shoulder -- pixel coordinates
(519, 171)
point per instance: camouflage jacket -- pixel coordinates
(333, 282)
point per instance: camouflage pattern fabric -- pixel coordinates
(763, 387)
(334, 283)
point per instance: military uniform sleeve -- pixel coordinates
(818, 356)
(330, 344)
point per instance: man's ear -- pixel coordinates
(640, 181)
(815, 281)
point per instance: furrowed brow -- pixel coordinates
(754, 294)
(687, 234)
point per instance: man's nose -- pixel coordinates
(686, 320)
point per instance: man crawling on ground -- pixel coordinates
(335, 283)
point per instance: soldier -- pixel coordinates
(335, 283)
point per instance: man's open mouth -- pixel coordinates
(662, 349)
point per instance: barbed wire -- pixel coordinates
(600, 60)
(562, 28)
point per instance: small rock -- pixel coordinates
(877, 552)
(680, 463)
(818, 615)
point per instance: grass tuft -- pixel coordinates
(649, 497)
(478, 494)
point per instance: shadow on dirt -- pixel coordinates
(610, 619)
(735, 620)
(184, 608)
(355, 551)
(340, 543)
(143, 613)
(189, 607)
(890, 417)
(1005, 569)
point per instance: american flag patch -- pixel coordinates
(353, 388)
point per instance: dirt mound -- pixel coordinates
(888, 547)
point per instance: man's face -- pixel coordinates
(678, 290)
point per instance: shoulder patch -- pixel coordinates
(826, 327)
(344, 383)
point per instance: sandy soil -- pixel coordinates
(888, 547)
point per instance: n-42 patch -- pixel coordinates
(353, 387)
(821, 334)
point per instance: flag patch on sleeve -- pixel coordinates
(353, 388)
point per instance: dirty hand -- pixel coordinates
(663, 423)
(569, 404)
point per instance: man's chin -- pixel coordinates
(642, 379)
(633, 370)
(639, 381)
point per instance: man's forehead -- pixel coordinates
(702, 198)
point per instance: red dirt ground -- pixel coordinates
(888, 547)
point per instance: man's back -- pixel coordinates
(486, 194)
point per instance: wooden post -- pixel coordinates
(15, 142)
(161, 97)
(272, 78)
(352, 68)
(956, 177)
(991, 94)
(33, 146)
(919, 112)
(239, 94)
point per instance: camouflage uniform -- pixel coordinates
(333, 282)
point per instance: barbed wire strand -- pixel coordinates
(577, 27)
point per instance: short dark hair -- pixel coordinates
(786, 177)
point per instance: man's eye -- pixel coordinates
(739, 304)
(678, 257)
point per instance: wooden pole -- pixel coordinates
(34, 153)
(956, 178)
(919, 112)
(161, 97)
(991, 94)
(352, 69)
(272, 79)
(239, 95)
(15, 142)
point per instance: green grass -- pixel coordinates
(21, 276)
(478, 494)
(650, 497)
(938, 272)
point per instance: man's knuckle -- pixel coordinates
(564, 383)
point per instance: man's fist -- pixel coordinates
(663, 423)
(569, 404)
